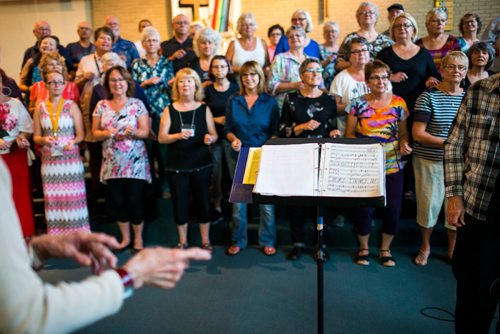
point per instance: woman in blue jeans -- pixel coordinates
(252, 117)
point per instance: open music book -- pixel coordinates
(324, 170)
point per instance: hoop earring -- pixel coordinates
(8, 94)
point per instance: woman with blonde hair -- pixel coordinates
(247, 47)
(187, 126)
(303, 19)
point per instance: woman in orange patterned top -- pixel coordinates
(381, 115)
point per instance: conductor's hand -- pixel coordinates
(88, 249)
(162, 267)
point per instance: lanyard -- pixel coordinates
(54, 117)
(97, 66)
(192, 120)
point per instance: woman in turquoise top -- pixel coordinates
(381, 115)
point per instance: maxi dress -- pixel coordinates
(63, 177)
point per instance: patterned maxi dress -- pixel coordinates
(63, 177)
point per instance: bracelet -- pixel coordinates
(128, 282)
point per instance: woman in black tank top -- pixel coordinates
(188, 128)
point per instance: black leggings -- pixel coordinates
(126, 200)
(183, 186)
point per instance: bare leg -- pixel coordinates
(363, 250)
(125, 232)
(385, 249)
(138, 243)
(425, 247)
(452, 238)
(205, 233)
(182, 230)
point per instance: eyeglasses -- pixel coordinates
(55, 83)
(298, 19)
(116, 80)
(359, 51)
(403, 26)
(181, 22)
(451, 67)
(366, 12)
(275, 34)
(249, 74)
(379, 78)
(314, 70)
(219, 67)
(438, 21)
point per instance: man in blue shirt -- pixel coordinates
(124, 48)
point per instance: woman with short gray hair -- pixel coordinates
(367, 15)
(437, 42)
(247, 47)
(205, 44)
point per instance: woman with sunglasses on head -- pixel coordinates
(58, 129)
(307, 113)
(216, 96)
(252, 118)
(381, 115)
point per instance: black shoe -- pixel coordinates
(295, 253)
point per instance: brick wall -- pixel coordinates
(269, 12)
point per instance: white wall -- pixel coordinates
(16, 26)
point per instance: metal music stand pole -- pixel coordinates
(319, 256)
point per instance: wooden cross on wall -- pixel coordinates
(195, 6)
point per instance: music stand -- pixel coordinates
(320, 202)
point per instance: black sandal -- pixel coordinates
(387, 261)
(363, 260)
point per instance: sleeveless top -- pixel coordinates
(241, 55)
(191, 154)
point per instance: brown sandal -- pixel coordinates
(208, 247)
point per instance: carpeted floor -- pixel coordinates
(252, 293)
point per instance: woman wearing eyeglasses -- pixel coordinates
(252, 117)
(307, 113)
(216, 96)
(285, 68)
(412, 67)
(434, 112)
(437, 42)
(58, 129)
(122, 123)
(247, 47)
(367, 15)
(303, 19)
(381, 115)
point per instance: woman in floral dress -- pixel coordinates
(122, 123)
(58, 130)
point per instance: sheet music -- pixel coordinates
(353, 170)
(288, 170)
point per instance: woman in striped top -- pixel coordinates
(434, 112)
